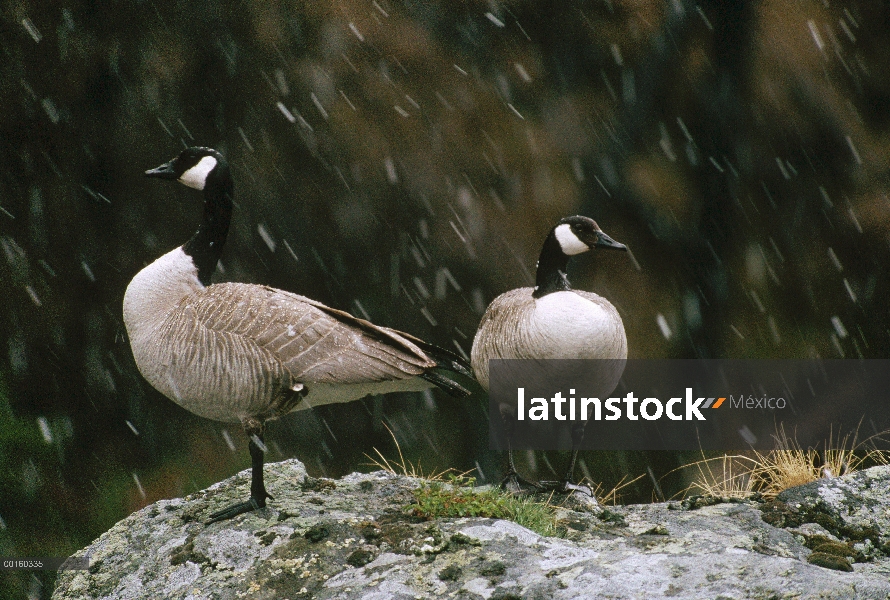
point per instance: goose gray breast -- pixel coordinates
(515, 327)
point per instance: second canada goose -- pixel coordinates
(249, 353)
(553, 321)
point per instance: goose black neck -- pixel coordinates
(552, 266)
(206, 245)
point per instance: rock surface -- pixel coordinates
(351, 538)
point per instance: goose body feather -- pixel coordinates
(571, 324)
(230, 351)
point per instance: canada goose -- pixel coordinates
(552, 320)
(249, 353)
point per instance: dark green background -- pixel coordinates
(739, 148)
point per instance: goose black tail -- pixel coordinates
(446, 359)
(443, 358)
(451, 387)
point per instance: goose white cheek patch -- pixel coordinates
(568, 241)
(196, 177)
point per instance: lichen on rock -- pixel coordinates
(351, 537)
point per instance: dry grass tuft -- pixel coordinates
(727, 476)
(613, 496)
(787, 466)
(790, 465)
(406, 467)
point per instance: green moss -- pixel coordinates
(360, 558)
(450, 573)
(835, 548)
(614, 518)
(493, 569)
(458, 497)
(317, 532)
(830, 561)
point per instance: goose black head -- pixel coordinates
(204, 169)
(195, 167)
(570, 237)
(578, 234)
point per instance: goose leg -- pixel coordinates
(512, 482)
(568, 484)
(258, 493)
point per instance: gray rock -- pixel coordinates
(351, 538)
(855, 501)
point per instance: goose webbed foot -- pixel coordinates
(576, 496)
(258, 493)
(566, 487)
(240, 508)
(515, 484)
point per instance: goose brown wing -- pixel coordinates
(315, 343)
(501, 332)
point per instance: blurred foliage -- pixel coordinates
(403, 161)
(34, 518)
